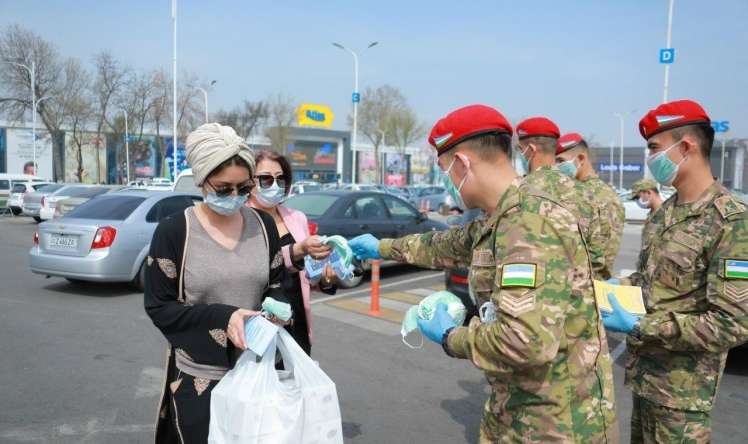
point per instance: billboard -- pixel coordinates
(20, 151)
(308, 114)
(395, 169)
(367, 169)
(311, 155)
(144, 156)
(169, 158)
(91, 170)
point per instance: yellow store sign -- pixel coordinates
(314, 115)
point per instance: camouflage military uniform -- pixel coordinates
(546, 355)
(648, 233)
(608, 214)
(696, 294)
(573, 195)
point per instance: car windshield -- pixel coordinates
(313, 205)
(47, 187)
(86, 192)
(18, 188)
(309, 188)
(107, 208)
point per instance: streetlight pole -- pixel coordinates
(669, 43)
(620, 163)
(355, 98)
(205, 96)
(174, 137)
(32, 76)
(612, 148)
(127, 146)
(722, 161)
(380, 157)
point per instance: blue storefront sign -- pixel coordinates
(169, 158)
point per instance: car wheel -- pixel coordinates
(353, 282)
(15, 211)
(139, 281)
(37, 219)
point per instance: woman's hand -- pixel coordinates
(329, 278)
(314, 247)
(235, 329)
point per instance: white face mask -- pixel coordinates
(259, 333)
(644, 204)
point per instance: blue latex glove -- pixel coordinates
(435, 327)
(614, 281)
(620, 319)
(365, 246)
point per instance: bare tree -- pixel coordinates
(246, 119)
(376, 115)
(160, 110)
(19, 45)
(110, 78)
(281, 113)
(404, 128)
(190, 113)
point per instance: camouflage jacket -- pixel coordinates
(573, 195)
(546, 355)
(607, 214)
(648, 232)
(694, 277)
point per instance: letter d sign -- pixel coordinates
(667, 55)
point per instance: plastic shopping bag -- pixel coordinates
(257, 404)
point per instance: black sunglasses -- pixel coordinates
(225, 190)
(266, 180)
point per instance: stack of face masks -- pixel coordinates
(281, 310)
(425, 310)
(339, 259)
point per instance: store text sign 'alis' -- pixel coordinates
(314, 115)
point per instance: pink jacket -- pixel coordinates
(297, 225)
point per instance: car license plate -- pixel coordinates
(63, 242)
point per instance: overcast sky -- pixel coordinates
(576, 62)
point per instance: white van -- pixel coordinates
(8, 180)
(185, 183)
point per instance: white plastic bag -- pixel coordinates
(256, 404)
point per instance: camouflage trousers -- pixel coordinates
(653, 423)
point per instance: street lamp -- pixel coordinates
(205, 96)
(127, 146)
(722, 160)
(669, 43)
(174, 137)
(355, 98)
(380, 157)
(32, 74)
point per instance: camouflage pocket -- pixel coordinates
(482, 275)
(680, 267)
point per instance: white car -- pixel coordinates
(49, 203)
(19, 191)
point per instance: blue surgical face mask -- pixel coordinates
(569, 168)
(225, 206)
(272, 196)
(662, 168)
(524, 160)
(453, 190)
(643, 204)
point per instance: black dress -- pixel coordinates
(292, 289)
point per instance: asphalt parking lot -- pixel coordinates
(82, 363)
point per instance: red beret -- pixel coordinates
(568, 141)
(537, 126)
(465, 123)
(672, 115)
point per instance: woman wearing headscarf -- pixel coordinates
(272, 185)
(208, 270)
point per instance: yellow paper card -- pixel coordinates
(629, 296)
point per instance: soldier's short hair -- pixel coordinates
(547, 145)
(488, 145)
(703, 133)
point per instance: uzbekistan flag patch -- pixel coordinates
(736, 269)
(522, 275)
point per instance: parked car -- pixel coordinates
(359, 187)
(18, 194)
(49, 203)
(32, 202)
(304, 186)
(105, 239)
(352, 213)
(456, 280)
(433, 198)
(8, 180)
(64, 206)
(185, 183)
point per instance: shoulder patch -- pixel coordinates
(736, 269)
(728, 205)
(519, 275)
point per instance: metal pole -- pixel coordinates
(620, 162)
(205, 97)
(354, 136)
(612, 148)
(127, 147)
(33, 111)
(669, 43)
(722, 163)
(175, 134)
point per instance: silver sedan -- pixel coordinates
(105, 239)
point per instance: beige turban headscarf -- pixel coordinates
(212, 144)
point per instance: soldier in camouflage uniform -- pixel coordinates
(545, 355)
(538, 140)
(647, 196)
(694, 277)
(573, 159)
